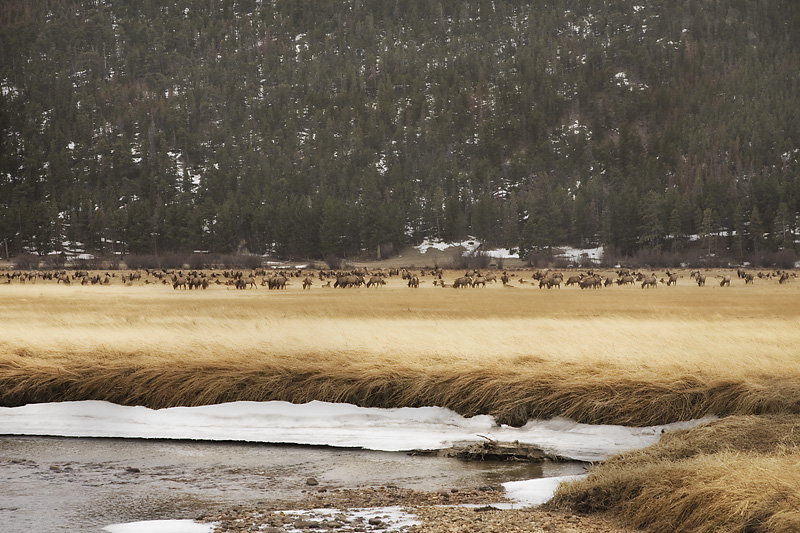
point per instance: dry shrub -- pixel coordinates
(199, 261)
(87, 263)
(782, 259)
(249, 261)
(333, 261)
(55, 261)
(737, 474)
(476, 260)
(26, 262)
(540, 259)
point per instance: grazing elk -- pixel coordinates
(626, 280)
(479, 280)
(550, 282)
(573, 280)
(375, 281)
(463, 281)
(591, 282)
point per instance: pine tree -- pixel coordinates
(652, 228)
(782, 229)
(331, 228)
(740, 232)
(676, 231)
(453, 227)
(708, 230)
(756, 234)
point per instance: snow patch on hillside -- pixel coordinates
(580, 255)
(469, 246)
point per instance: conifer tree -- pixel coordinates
(756, 233)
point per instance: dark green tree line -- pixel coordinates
(305, 130)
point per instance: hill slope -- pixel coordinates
(304, 129)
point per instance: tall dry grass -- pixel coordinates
(736, 474)
(616, 355)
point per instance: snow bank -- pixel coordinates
(320, 423)
(535, 491)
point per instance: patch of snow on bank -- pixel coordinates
(390, 517)
(161, 526)
(393, 517)
(323, 424)
(536, 491)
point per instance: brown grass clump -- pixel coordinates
(737, 474)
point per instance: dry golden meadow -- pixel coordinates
(616, 355)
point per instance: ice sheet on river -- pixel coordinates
(320, 423)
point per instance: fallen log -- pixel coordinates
(492, 450)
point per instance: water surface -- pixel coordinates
(55, 484)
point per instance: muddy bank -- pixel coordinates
(394, 509)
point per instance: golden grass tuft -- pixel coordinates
(736, 474)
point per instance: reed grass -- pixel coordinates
(736, 474)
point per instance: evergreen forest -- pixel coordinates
(304, 129)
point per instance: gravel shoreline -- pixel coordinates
(388, 510)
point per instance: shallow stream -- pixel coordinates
(56, 484)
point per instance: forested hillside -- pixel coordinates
(304, 129)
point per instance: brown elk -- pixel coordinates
(463, 281)
(650, 282)
(375, 281)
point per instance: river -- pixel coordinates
(57, 484)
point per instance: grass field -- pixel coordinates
(620, 354)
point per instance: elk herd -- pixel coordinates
(280, 279)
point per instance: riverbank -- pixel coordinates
(391, 509)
